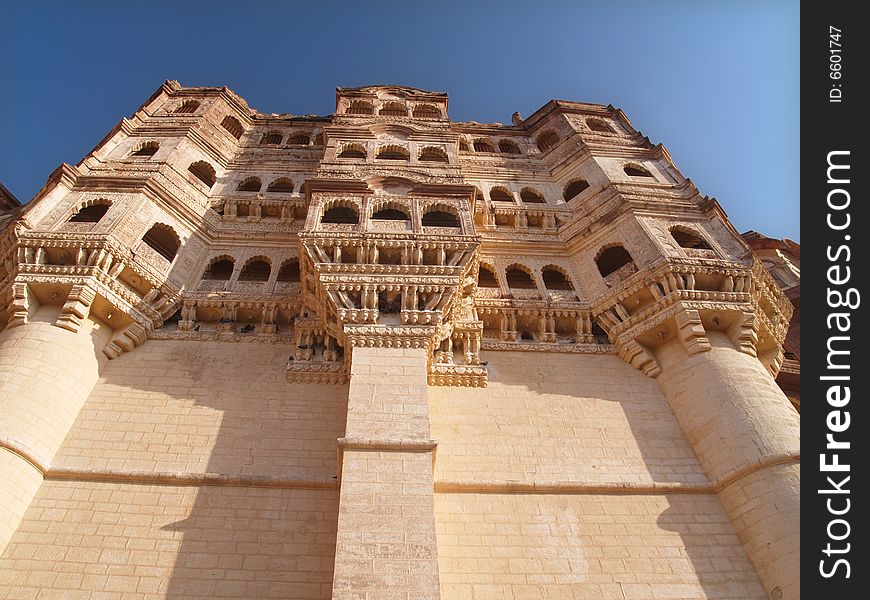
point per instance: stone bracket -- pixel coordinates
(744, 332)
(639, 357)
(77, 307)
(125, 340)
(691, 331)
(21, 305)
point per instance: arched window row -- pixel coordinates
(281, 185)
(294, 138)
(393, 108)
(519, 276)
(255, 269)
(487, 146)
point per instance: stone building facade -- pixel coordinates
(385, 355)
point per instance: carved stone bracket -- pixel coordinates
(691, 331)
(639, 357)
(77, 307)
(125, 340)
(19, 308)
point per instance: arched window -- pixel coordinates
(204, 172)
(187, 107)
(289, 271)
(359, 107)
(256, 269)
(598, 125)
(436, 216)
(299, 139)
(273, 138)
(555, 279)
(686, 238)
(352, 151)
(251, 184)
(282, 185)
(463, 146)
(483, 146)
(508, 147)
(393, 109)
(636, 171)
(547, 140)
(500, 195)
(163, 240)
(433, 154)
(426, 111)
(612, 259)
(519, 279)
(530, 196)
(219, 269)
(390, 214)
(233, 126)
(574, 188)
(92, 213)
(486, 277)
(146, 149)
(392, 152)
(340, 214)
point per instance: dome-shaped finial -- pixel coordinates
(517, 118)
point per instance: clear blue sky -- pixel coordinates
(716, 84)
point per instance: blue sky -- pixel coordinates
(716, 84)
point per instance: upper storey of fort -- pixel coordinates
(555, 230)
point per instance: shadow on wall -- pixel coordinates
(592, 420)
(223, 409)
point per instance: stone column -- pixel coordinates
(385, 545)
(50, 359)
(747, 437)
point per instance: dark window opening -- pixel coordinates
(573, 189)
(220, 270)
(440, 218)
(258, 270)
(162, 239)
(519, 279)
(90, 214)
(340, 214)
(612, 260)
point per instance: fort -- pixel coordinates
(383, 355)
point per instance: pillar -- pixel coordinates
(385, 545)
(48, 368)
(745, 433)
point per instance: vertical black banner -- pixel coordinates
(835, 369)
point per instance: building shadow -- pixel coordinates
(600, 422)
(254, 458)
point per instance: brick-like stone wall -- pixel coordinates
(110, 541)
(210, 407)
(560, 417)
(590, 547)
(46, 373)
